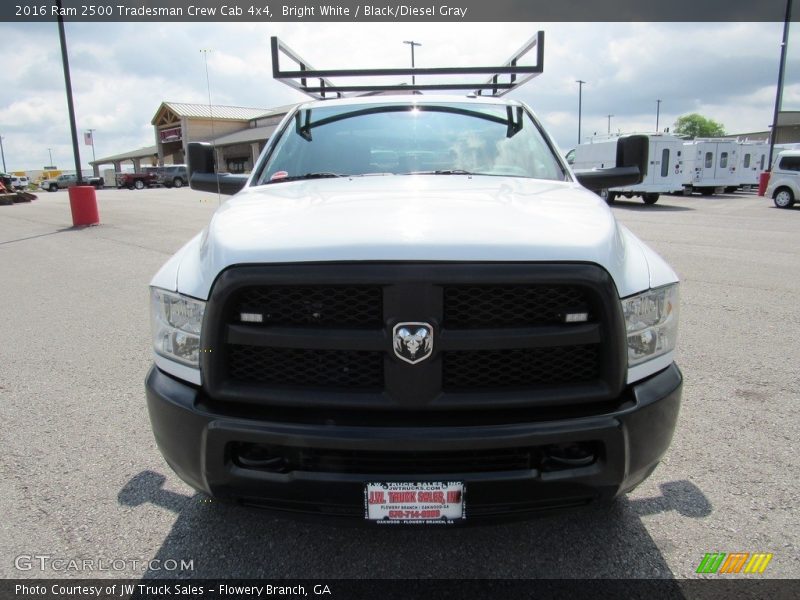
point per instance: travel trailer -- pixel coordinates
(664, 173)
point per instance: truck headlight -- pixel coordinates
(176, 322)
(651, 323)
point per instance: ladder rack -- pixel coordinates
(320, 83)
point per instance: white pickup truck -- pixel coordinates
(412, 311)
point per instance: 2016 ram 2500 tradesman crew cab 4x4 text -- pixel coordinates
(412, 311)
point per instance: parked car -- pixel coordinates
(137, 181)
(19, 182)
(784, 182)
(68, 180)
(172, 176)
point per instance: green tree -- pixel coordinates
(695, 125)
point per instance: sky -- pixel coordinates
(121, 72)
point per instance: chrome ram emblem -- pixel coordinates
(413, 342)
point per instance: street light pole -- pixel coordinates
(658, 110)
(580, 83)
(609, 124)
(412, 44)
(50, 152)
(773, 136)
(2, 153)
(70, 105)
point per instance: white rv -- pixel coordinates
(664, 173)
(710, 165)
(753, 158)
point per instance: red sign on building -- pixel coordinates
(170, 135)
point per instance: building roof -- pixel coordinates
(251, 134)
(205, 111)
(278, 110)
(145, 152)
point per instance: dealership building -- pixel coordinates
(238, 134)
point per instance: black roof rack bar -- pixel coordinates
(303, 74)
(536, 41)
(306, 71)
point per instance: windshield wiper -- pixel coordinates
(442, 172)
(322, 175)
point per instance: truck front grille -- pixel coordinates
(500, 336)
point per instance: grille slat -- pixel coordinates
(525, 367)
(400, 462)
(306, 368)
(487, 307)
(325, 306)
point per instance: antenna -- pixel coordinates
(205, 52)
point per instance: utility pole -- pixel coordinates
(658, 110)
(68, 84)
(2, 153)
(779, 94)
(580, 83)
(609, 124)
(50, 152)
(412, 44)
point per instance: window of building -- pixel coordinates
(237, 165)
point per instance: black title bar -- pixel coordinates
(536, 11)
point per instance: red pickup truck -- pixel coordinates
(137, 181)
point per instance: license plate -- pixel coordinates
(440, 502)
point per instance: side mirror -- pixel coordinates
(632, 157)
(203, 176)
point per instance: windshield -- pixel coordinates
(402, 139)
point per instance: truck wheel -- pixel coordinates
(650, 198)
(53, 188)
(138, 184)
(783, 198)
(177, 182)
(611, 198)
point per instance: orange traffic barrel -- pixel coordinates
(83, 204)
(763, 181)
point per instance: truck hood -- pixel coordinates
(413, 218)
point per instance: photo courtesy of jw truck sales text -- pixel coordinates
(410, 373)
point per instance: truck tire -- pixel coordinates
(138, 184)
(177, 182)
(783, 198)
(650, 198)
(52, 188)
(611, 198)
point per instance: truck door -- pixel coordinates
(707, 162)
(662, 169)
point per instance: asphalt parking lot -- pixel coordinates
(82, 477)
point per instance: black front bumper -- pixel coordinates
(632, 437)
